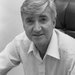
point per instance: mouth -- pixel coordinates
(37, 35)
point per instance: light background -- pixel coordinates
(10, 26)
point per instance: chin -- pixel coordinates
(42, 41)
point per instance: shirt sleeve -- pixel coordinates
(71, 70)
(9, 58)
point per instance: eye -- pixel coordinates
(43, 19)
(30, 20)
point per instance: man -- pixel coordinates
(42, 49)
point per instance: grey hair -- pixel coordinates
(38, 6)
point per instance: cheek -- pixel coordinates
(48, 27)
(28, 33)
(28, 30)
(48, 30)
(26, 27)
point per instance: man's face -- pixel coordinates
(38, 27)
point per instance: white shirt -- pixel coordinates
(58, 60)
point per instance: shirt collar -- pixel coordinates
(52, 48)
(31, 48)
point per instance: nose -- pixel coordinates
(37, 27)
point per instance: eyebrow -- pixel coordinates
(42, 15)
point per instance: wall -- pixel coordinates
(10, 26)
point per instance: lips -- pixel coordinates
(37, 35)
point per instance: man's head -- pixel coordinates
(38, 18)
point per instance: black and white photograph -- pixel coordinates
(37, 37)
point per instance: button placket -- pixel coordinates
(42, 68)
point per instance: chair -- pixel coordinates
(66, 16)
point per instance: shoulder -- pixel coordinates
(66, 46)
(22, 41)
(66, 42)
(21, 37)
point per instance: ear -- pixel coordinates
(54, 23)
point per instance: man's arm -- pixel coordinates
(9, 58)
(72, 71)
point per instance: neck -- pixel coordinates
(42, 48)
